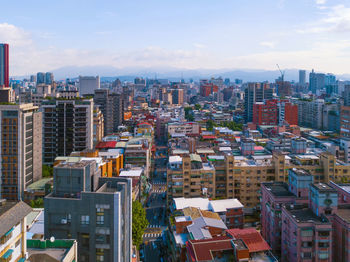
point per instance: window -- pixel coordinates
(323, 244)
(18, 243)
(323, 255)
(85, 220)
(99, 254)
(323, 233)
(307, 233)
(100, 220)
(85, 240)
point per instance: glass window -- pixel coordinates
(85, 220)
(100, 220)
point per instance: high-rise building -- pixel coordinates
(20, 149)
(49, 78)
(177, 96)
(284, 88)
(317, 81)
(7, 95)
(4, 65)
(40, 78)
(67, 127)
(265, 113)
(310, 113)
(112, 107)
(88, 84)
(302, 77)
(96, 211)
(255, 92)
(33, 78)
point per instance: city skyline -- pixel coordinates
(225, 35)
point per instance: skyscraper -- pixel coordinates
(317, 81)
(112, 107)
(48, 78)
(40, 78)
(20, 149)
(88, 84)
(67, 127)
(4, 65)
(255, 92)
(302, 77)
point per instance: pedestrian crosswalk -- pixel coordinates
(153, 226)
(150, 235)
(159, 190)
(159, 183)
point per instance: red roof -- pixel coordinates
(108, 144)
(251, 238)
(201, 250)
(209, 137)
(144, 123)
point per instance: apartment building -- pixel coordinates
(240, 177)
(13, 230)
(98, 128)
(93, 210)
(310, 113)
(20, 149)
(188, 128)
(67, 127)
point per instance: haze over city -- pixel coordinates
(165, 36)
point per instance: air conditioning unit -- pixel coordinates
(63, 221)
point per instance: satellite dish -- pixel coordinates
(52, 239)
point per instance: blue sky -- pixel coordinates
(185, 34)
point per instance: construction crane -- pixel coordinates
(282, 73)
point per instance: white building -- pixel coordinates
(88, 84)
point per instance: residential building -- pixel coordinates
(345, 131)
(4, 66)
(187, 128)
(88, 84)
(93, 210)
(317, 81)
(55, 251)
(7, 95)
(177, 96)
(265, 113)
(255, 92)
(112, 108)
(21, 149)
(206, 89)
(67, 127)
(310, 113)
(13, 230)
(287, 113)
(98, 128)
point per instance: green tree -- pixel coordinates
(139, 223)
(37, 203)
(197, 106)
(47, 171)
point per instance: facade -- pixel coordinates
(49, 78)
(265, 113)
(310, 113)
(255, 92)
(21, 149)
(67, 127)
(177, 96)
(98, 129)
(317, 81)
(302, 77)
(187, 128)
(287, 113)
(112, 108)
(13, 230)
(88, 84)
(40, 78)
(4, 65)
(93, 210)
(7, 95)
(206, 89)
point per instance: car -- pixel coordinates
(142, 254)
(154, 245)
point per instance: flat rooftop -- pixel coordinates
(305, 215)
(323, 187)
(344, 213)
(278, 189)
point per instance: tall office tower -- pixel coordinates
(177, 96)
(346, 95)
(255, 92)
(88, 84)
(302, 77)
(317, 81)
(20, 149)
(49, 78)
(4, 65)
(112, 107)
(33, 78)
(96, 211)
(67, 127)
(40, 78)
(331, 84)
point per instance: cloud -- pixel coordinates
(320, 2)
(268, 44)
(198, 45)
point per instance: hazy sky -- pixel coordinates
(192, 34)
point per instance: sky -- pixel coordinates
(181, 34)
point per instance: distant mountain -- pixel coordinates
(109, 73)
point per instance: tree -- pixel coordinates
(47, 171)
(37, 203)
(139, 223)
(197, 106)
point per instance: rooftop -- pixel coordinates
(131, 173)
(251, 238)
(278, 189)
(224, 204)
(40, 184)
(344, 214)
(46, 250)
(199, 202)
(300, 172)
(304, 215)
(323, 187)
(11, 213)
